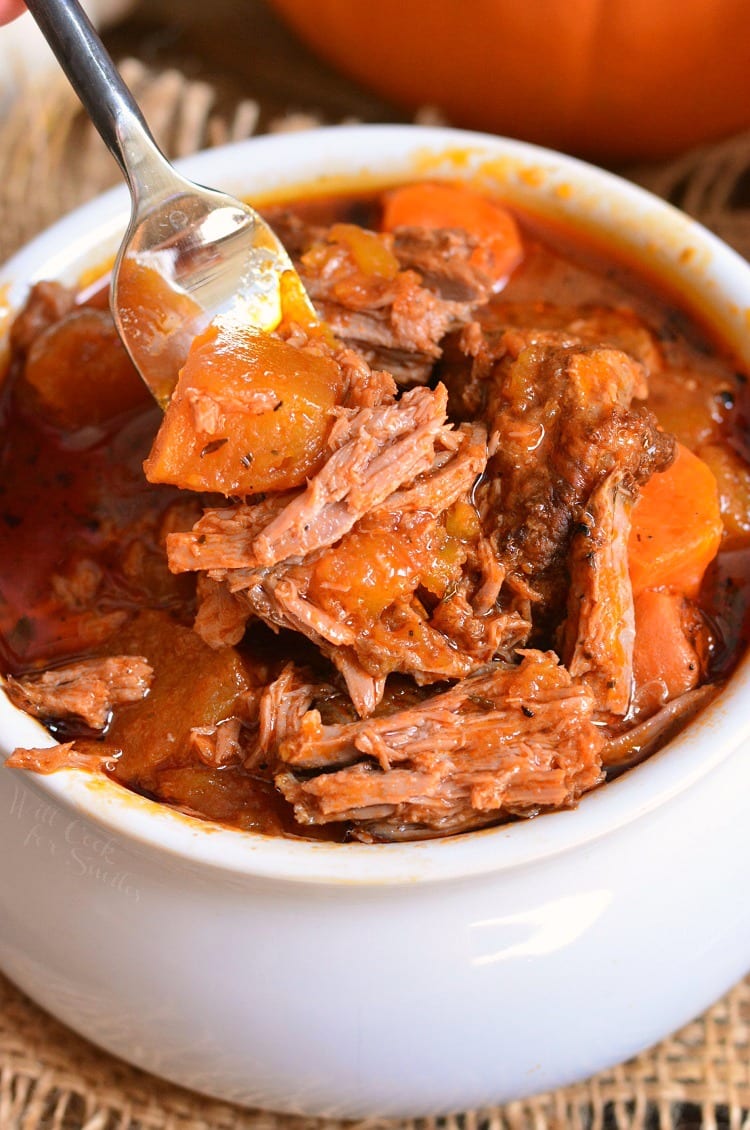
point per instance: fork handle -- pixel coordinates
(104, 95)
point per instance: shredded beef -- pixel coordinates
(453, 473)
(365, 690)
(385, 448)
(224, 538)
(293, 563)
(394, 298)
(66, 755)
(379, 450)
(222, 617)
(282, 705)
(86, 691)
(77, 586)
(399, 639)
(599, 633)
(509, 740)
(216, 745)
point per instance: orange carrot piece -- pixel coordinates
(665, 661)
(676, 527)
(454, 206)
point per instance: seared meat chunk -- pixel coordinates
(443, 258)
(617, 327)
(560, 421)
(46, 304)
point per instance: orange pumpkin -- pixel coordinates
(613, 79)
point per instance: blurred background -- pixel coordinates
(240, 47)
(244, 50)
(613, 80)
(616, 80)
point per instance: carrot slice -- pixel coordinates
(454, 206)
(676, 527)
(666, 663)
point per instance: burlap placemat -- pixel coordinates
(51, 1079)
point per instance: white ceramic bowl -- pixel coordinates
(394, 979)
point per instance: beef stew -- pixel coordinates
(457, 555)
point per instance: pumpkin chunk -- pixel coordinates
(250, 413)
(193, 686)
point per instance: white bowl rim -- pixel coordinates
(717, 734)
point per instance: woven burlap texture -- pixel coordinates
(51, 159)
(51, 1079)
